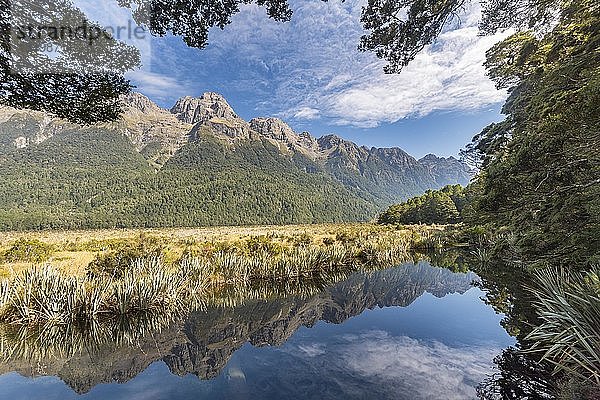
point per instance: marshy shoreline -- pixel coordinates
(74, 277)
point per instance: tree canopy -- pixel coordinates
(53, 59)
(541, 165)
(434, 207)
(396, 31)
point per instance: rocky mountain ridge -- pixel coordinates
(196, 164)
(158, 133)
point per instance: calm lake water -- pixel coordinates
(412, 332)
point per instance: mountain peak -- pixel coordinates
(278, 131)
(330, 141)
(210, 105)
(434, 158)
(140, 102)
(213, 96)
(447, 170)
(273, 128)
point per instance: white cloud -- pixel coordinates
(306, 113)
(157, 86)
(451, 77)
(314, 69)
(428, 371)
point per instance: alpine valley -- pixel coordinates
(197, 164)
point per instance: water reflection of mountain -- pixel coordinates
(203, 343)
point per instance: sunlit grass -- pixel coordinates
(46, 295)
(117, 286)
(75, 250)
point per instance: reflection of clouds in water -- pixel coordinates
(235, 373)
(431, 370)
(312, 349)
(401, 367)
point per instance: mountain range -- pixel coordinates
(198, 163)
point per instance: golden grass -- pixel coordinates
(76, 249)
(200, 234)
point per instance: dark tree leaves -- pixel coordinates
(519, 14)
(398, 38)
(192, 19)
(53, 59)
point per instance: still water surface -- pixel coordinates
(411, 332)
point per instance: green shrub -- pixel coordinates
(117, 261)
(442, 206)
(303, 239)
(257, 244)
(346, 237)
(28, 250)
(327, 241)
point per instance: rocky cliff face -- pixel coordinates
(155, 132)
(211, 113)
(447, 171)
(22, 128)
(210, 105)
(203, 343)
(283, 137)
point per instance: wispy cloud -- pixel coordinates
(311, 68)
(157, 86)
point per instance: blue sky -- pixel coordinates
(309, 73)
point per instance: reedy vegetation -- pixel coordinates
(150, 285)
(567, 304)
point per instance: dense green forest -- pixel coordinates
(539, 169)
(434, 207)
(59, 175)
(94, 178)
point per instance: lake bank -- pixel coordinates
(72, 251)
(150, 273)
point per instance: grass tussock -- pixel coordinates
(45, 295)
(568, 305)
(124, 284)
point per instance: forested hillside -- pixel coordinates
(443, 206)
(540, 167)
(197, 164)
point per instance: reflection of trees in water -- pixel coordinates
(513, 289)
(520, 376)
(236, 295)
(523, 375)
